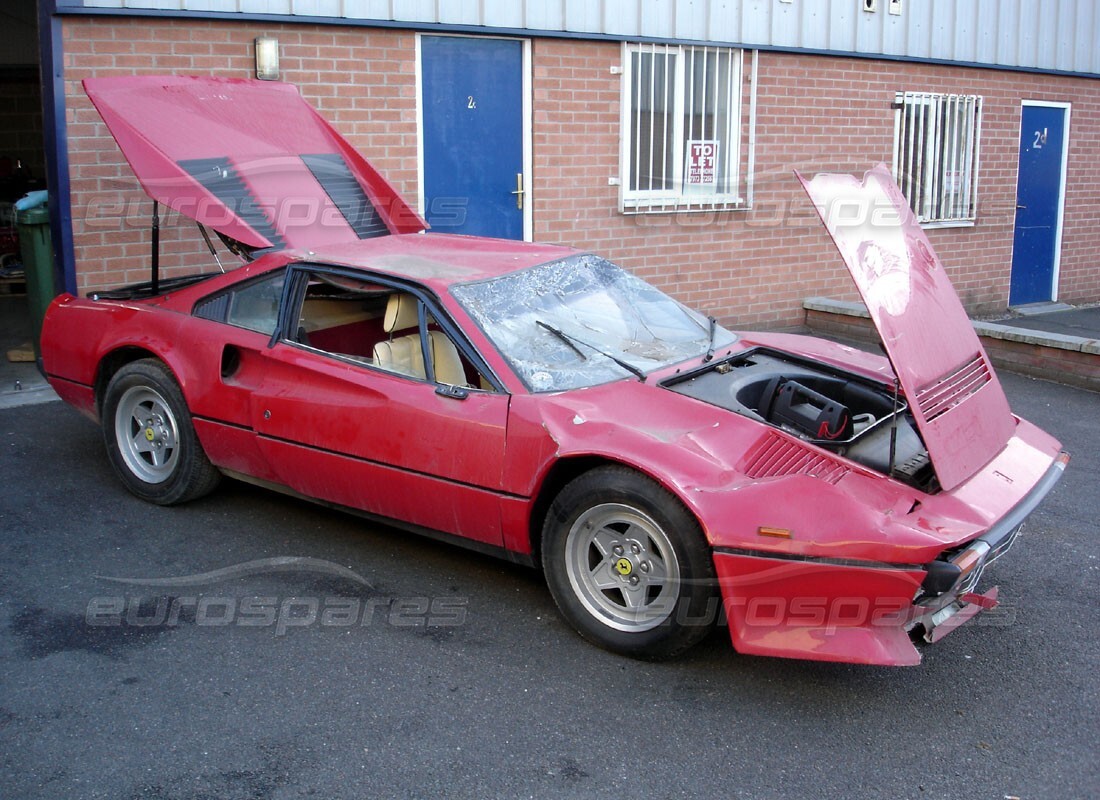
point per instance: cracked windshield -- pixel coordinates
(583, 321)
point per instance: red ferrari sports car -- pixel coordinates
(541, 403)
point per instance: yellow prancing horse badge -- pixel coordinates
(624, 567)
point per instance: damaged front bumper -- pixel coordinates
(948, 597)
(860, 612)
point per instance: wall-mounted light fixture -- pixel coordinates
(267, 58)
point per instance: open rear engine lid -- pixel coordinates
(250, 159)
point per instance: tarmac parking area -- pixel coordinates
(250, 645)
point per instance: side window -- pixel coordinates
(254, 305)
(342, 316)
(380, 326)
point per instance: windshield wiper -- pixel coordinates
(565, 337)
(710, 338)
(573, 341)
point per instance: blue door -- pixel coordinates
(472, 101)
(1038, 204)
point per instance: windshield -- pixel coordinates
(566, 324)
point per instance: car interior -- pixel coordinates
(354, 320)
(380, 326)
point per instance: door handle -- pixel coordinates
(519, 191)
(454, 392)
(1018, 206)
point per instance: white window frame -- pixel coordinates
(738, 133)
(928, 144)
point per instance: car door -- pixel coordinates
(338, 423)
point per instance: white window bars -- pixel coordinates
(936, 154)
(682, 129)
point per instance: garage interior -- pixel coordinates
(22, 169)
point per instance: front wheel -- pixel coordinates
(149, 436)
(628, 565)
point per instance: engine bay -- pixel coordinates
(849, 415)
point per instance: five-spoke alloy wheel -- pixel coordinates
(149, 436)
(146, 433)
(628, 565)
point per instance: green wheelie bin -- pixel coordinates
(33, 225)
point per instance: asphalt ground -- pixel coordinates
(457, 678)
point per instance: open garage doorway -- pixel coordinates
(22, 169)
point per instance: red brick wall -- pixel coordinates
(750, 268)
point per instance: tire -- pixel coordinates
(628, 565)
(150, 439)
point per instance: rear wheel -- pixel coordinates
(149, 436)
(628, 565)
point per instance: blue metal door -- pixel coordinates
(1038, 204)
(472, 101)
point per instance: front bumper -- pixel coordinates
(862, 612)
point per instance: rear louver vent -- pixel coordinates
(332, 172)
(775, 455)
(219, 177)
(215, 308)
(945, 393)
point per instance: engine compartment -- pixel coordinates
(838, 411)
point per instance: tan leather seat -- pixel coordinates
(405, 355)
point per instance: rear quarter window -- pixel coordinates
(253, 305)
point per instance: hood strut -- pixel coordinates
(154, 282)
(210, 245)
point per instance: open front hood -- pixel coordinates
(953, 392)
(250, 159)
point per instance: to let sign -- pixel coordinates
(702, 163)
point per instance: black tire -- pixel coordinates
(149, 436)
(628, 565)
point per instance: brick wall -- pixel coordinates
(750, 268)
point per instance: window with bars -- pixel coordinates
(682, 128)
(936, 138)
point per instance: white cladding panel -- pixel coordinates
(1040, 34)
